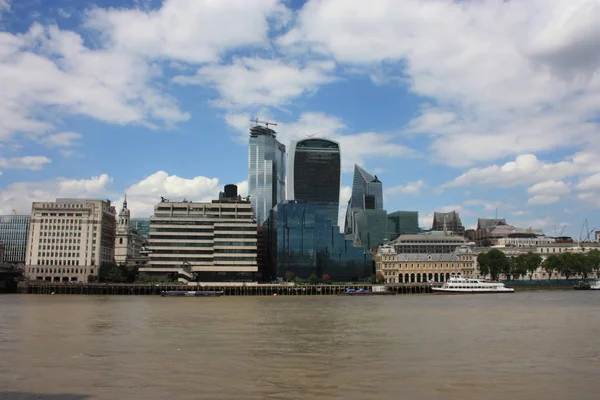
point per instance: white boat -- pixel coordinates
(595, 285)
(460, 285)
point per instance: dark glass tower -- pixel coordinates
(314, 174)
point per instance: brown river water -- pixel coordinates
(529, 345)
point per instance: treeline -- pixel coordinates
(495, 263)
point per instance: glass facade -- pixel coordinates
(13, 234)
(315, 174)
(371, 228)
(403, 223)
(142, 225)
(266, 171)
(302, 239)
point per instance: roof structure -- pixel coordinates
(486, 223)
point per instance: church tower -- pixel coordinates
(124, 214)
(123, 235)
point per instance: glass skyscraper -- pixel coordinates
(314, 174)
(301, 239)
(403, 223)
(13, 234)
(142, 225)
(367, 194)
(266, 171)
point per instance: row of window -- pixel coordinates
(38, 270)
(58, 247)
(419, 266)
(59, 262)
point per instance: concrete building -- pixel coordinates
(529, 242)
(69, 239)
(128, 242)
(422, 267)
(449, 221)
(402, 223)
(314, 174)
(13, 234)
(208, 242)
(429, 242)
(266, 171)
(366, 220)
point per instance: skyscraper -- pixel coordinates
(315, 174)
(366, 220)
(266, 171)
(13, 233)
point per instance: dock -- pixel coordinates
(227, 289)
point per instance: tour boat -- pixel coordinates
(195, 293)
(365, 292)
(459, 285)
(596, 285)
(582, 285)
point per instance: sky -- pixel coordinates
(483, 107)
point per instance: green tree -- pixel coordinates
(532, 262)
(326, 279)
(552, 264)
(581, 264)
(313, 279)
(492, 263)
(520, 266)
(567, 264)
(289, 276)
(593, 260)
(509, 267)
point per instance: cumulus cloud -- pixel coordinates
(62, 139)
(32, 163)
(411, 188)
(515, 77)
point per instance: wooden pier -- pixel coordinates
(228, 289)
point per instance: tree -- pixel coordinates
(326, 279)
(552, 263)
(593, 260)
(493, 263)
(581, 264)
(567, 264)
(289, 276)
(313, 279)
(509, 267)
(379, 277)
(519, 267)
(532, 262)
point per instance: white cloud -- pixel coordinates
(590, 182)
(195, 31)
(552, 188)
(4, 5)
(543, 200)
(514, 78)
(20, 195)
(62, 139)
(254, 82)
(411, 188)
(526, 169)
(33, 163)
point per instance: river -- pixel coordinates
(528, 345)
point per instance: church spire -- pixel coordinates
(125, 213)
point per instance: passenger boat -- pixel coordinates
(595, 286)
(365, 292)
(193, 293)
(465, 286)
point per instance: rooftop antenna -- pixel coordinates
(256, 122)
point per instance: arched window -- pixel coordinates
(120, 240)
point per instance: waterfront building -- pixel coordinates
(314, 174)
(302, 239)
(422, 267)
(429, 242)
(402, 223)
(524, 241)
(1, 253)
(366, 220)
(70, 239)
(13, 234)
(490, 230)
(206, 242)
(128, 241)
(266, 171)
(141, 225)
(449, 221)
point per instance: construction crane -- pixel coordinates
(562, 230)
(256, 121)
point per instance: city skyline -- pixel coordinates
(508, 129)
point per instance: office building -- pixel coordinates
(128, 241)
(206, 242)
(302, 240)
(366, 220)
(13, 234)
(314, 174)
(141, 225)
(429, 242)
(70, 239)
(403, 223)
(266, 171)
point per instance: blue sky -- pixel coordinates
(466, 106)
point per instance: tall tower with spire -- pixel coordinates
(124, 214)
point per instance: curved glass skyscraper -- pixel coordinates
(266, 171)
(314, 174)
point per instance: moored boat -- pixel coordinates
(365, 292)
(582, 285)
(595, 286)
(460, 285)
(191, 293)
